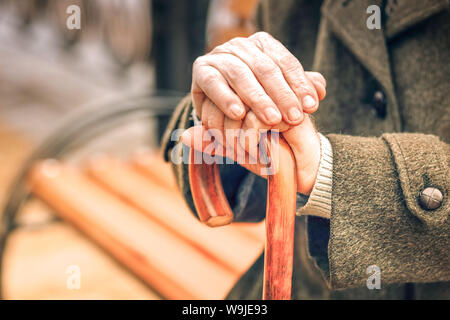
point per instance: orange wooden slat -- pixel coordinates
(152, 165)
(157, 255)
(232, 247)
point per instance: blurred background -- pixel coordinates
(89, 208)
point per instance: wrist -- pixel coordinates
(304, 141)
(307, 159)
(319, 200)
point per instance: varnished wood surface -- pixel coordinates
(132, 232)
(231, 247)
(212, 205)
(280, 220)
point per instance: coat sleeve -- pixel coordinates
(376, 217)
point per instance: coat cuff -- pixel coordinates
(375, 218)
(319, 202)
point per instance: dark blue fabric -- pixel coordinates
(318, 237)
(245, 191)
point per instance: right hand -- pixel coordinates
(257, 72)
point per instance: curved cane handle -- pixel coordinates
(214, 210)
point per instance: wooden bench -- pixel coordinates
(133, 210)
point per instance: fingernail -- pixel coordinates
(294, 114)
(236, 110)
(309, 102)
(272, 115)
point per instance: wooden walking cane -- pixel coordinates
(214, 210)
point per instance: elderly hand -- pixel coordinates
(257, 72)
(244, 142)
(253, 84)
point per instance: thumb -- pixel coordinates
(203, 140)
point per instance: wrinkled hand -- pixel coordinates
(258, 73)
(255, 84)
(303, 140)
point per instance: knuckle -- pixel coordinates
(290, 64)
(261, 35)
(209, 77)
(225, 101)
(238, 72)
(265, 68)
(287, 100)
(251, 121)
(261, 39)
(257, 96)
(221, 48)
(198, 62)
(300, 86)
(238, 41)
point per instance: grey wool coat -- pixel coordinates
(387, 116)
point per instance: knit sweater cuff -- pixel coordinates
(319, 202)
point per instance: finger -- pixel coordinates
(269, 76)
(192, 136)
(249, 136)
(207, 80)
(233, 149)
(241, 157)
(198, 97)
(203, 140)
(319, 84)
(306, 131)
(316, 76)
(212, 116)
(290, 67)
(321, 93)
(242, 80)
(213, 120)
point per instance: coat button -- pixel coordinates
(379, 103)
(430, 198)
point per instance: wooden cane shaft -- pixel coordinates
(280, 220)
(214, 210)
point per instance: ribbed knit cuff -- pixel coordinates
(319, 202)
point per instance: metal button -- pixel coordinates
(430, 198)
(379, 103)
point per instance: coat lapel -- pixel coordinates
(404, 14)
(347, 20)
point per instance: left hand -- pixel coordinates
(303, 140)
